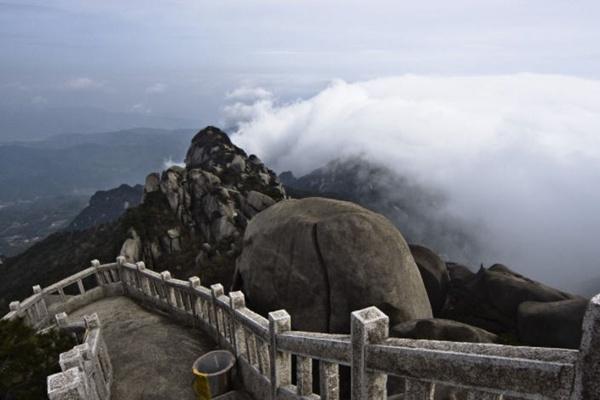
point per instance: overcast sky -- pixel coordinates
(179, 59)
(495, 102)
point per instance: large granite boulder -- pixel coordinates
(321, 259)
(442, 329)
(553, 324)
(434, 273)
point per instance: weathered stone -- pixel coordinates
(321, 259)
(238, 164)
(553, 324)
(222, 228)
(259, 201)
(507, 289)
(442, 329)
(434, 273)
(459, 273)
(152, 183)
(132, 247)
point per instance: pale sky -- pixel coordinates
(179, 59)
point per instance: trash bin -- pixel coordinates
(212, 374)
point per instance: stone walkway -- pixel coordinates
(152, 356)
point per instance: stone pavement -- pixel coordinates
(152, 356)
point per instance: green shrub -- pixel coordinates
(27, 358)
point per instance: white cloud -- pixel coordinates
(170, 163)
(248, 93)
(141, 108)
(156, 88)
(82, 83)
(519, 152)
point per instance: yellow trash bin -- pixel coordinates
(212, 374)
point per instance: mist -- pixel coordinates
(517, 154)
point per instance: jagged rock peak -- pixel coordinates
(211, 200)
(211, 146)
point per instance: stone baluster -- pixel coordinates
(329, 380)
(42, 307)
(216, 290)
(168, 290)
(368, 326)
(100, 280)
(195, 305)
(124, 275)
(587, 381)
(67, 385)
(281, 362)
(80, 286)
(144, 281)
(304, 381)
(236, 302)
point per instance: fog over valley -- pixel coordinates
(515, 155)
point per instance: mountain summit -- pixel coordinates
(192, 218)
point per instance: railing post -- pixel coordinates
(122, 273)
(368, 325)
(587, 381)
(41, 306)
(216, 290)
(144, 282)
(194, 298)
(281, 362)
(67, 385)
(166, 277)
(61, 319)
(100, 280)
(16, 307)
(237, 301)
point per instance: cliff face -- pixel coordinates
(192, 218)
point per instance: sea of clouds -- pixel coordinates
(519, 154)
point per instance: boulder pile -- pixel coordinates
(210, 201)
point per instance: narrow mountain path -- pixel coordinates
(152, 356)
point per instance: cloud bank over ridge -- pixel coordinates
(518, 153)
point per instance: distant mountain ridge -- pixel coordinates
(107, 206)
(83, 164)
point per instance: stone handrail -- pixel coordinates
(87, 372)
(265, 348)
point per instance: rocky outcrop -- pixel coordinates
(107, 206)
(321, 259)
(210, 200)
(442, 329)
(434, 273)
(552, 324)
(132, 247)
(507, 289)
(504, 302)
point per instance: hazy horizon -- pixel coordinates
(83, 66)
(495, 103)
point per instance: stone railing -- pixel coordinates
(268, 351)
(86, 369)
